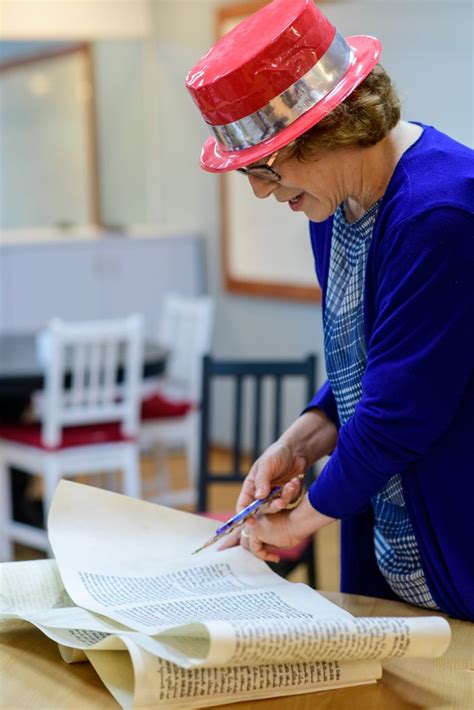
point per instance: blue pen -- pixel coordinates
(240, 518)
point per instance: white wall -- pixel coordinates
(428, 52)
(121, 135)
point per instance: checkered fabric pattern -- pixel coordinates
(345, 348)
(396, 550)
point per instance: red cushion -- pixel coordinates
(71, 436)
(284, 553)
(156, 406)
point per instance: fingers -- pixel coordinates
(264, 478)
(257, 484)
(259, 549)
(290, 492)
(249, 540)
(247, 492)
(275, 465)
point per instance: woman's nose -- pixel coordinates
(262, 188)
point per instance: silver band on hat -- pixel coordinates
(292, 103)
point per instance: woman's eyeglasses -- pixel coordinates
(263, 171)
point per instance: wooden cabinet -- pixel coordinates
(95, 278)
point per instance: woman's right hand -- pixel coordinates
(310, 437)
(278, 464)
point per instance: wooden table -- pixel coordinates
(33, 676)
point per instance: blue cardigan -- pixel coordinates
(416, 414)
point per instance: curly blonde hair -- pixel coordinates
(363, 119)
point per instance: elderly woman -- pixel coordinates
(313, 120)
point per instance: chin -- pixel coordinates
(315, 216)
(318, 215)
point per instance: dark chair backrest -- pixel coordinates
(239, 372)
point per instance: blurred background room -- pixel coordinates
(106, 217)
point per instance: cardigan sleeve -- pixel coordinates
(420, 358)
(324, 399)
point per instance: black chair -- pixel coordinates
(253, 375)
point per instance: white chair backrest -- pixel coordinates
(81, 384)
(186, 329)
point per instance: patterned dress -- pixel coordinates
(345, 348)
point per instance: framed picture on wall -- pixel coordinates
(48, 141)
(265, 249)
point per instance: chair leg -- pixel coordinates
(162, 469)
(6, 512)
(132, 474)
(192, 450)
(51, 477)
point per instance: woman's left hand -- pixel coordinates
(284, 529)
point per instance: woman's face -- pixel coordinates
(315, 188)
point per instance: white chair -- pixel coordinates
(170, 415)
(89, 422)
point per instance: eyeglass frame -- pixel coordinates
(272, 176)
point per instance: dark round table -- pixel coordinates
(21, 372)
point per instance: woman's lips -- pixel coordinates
(296, 202)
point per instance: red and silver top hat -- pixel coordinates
(271, 78)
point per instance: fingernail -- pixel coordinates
(260, 493)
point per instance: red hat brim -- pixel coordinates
(365, 55)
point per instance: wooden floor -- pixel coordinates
(222, 498)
